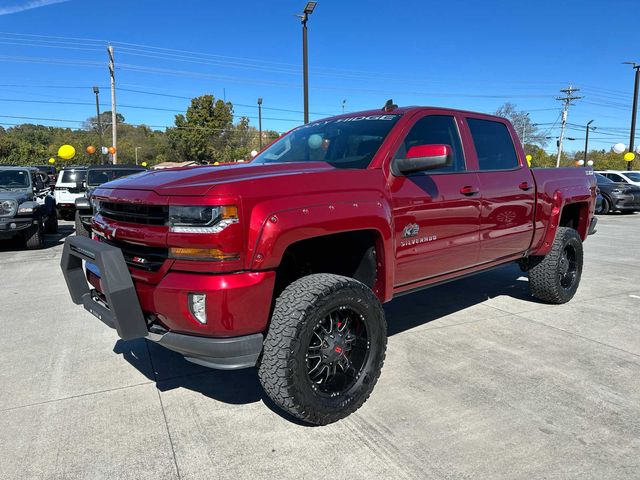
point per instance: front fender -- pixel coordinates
(282, 228)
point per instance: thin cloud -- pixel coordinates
(29, 5)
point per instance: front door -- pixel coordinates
(437, 212)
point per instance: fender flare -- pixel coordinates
(281, 229)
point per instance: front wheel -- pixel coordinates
(605, 208)
(555, 277)
(325, 348)
(34, 237)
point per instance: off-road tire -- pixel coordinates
(51, 225)
(34, 237)
(545, 277)
(283, 370)
(81, 230)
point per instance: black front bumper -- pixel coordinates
(119, 308)
(12, 226)
(592, 225)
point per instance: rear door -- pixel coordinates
(437, 212)
(507, 188)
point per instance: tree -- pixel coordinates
(200, 135)
(522, 124)
(91, 123)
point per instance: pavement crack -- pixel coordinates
(88, 394)
(164, 414)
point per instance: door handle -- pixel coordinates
(468, 190)
(524, 186)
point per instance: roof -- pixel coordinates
(404, 110)
(109, 166)
(162, 165)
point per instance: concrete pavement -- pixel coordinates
(481, 382)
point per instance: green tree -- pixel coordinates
(522, 124)
(201, 134)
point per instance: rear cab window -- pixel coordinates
(493, 144)
(73, 176)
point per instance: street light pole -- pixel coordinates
(586, 142)
(96, 90)
(136, 149)
(260, 122)
(634, 108)
(308, 9)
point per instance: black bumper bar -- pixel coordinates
(592, 226)
(119, 308)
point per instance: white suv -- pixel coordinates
(622, 176)
(69, 186)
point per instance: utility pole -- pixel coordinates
(136, 149)
(524, 128)
(113, 104)
(96, 90)
(634, 109)
(344, 102)
(567, 99)
(260, 122)
(586, 140)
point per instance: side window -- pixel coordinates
(435, 129)
(493, 145)
(616, 178)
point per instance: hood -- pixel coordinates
(199, 180)
(17, 195)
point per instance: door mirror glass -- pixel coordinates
(423, 157)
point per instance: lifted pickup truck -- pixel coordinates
(283, 263)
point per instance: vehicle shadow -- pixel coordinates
(170, 370)
(50, 239)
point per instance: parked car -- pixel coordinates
(27, 209)
(283, 263)
(96, 176)
(622, 176)
(68, 188)
(617, 196)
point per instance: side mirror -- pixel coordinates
(422, 157)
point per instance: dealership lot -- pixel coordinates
(480, 381)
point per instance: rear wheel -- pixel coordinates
(555, 278)
(325, 348)
(34, 237)
(81, 230)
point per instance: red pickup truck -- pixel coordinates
(283, 263)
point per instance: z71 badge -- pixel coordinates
(410, 232)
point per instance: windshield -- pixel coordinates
(633, 176)
(73, 176)
(100, 176)
(603, 179)
(14, 179)
(348, 142)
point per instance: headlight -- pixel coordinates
(24, 210)
(616, 190)
(8, 208)
(184, 219)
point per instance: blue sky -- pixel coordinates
(462, 54)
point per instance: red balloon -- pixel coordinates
(91, 149)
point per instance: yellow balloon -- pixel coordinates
(144, 164)
(629, 156)
(66, 152)
(52, 160)
(529, 158)
(216, 163)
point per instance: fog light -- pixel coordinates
(12, 226)
(197, 303)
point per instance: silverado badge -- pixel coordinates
(411, 231)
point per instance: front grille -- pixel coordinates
(140, 256)
(135, 213)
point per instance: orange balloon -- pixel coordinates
(112, 150)
(91, 149)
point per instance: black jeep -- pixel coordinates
(96, 176)
(27, 208)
